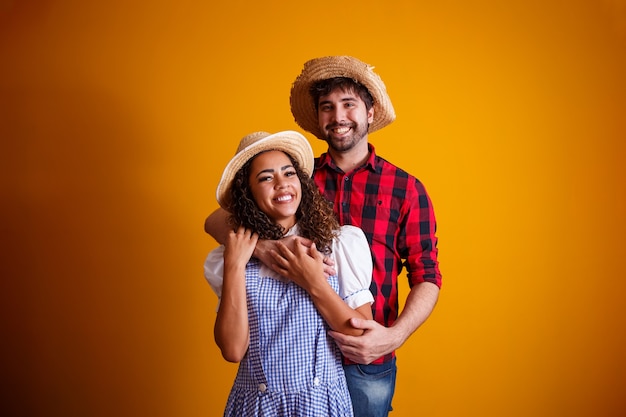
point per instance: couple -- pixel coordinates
(339, 100)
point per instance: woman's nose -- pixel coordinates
(280, 183)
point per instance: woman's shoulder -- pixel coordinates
(349, 231)
(349, 235)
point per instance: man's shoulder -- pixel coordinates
(388, 167)
(320, 160)
(403, 180)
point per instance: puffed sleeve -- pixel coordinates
(214, 269)
(353, 263)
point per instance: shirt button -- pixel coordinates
(316, 381)
(262, 387)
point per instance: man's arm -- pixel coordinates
(216, 225)
(379, 340)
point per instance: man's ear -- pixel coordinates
(370, 115)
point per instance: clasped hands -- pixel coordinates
(299, 260)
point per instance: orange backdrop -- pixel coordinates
(116, 118)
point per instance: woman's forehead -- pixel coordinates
(271, 158)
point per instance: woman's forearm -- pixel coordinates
(231, 330)
(335, 311)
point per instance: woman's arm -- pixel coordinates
(231, 331)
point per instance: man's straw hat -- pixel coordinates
(303, 108)
(290, 142)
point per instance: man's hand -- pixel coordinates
(375, 342)
(378, 340)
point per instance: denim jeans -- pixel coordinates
(371, 388)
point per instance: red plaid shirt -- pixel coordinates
(395, 213)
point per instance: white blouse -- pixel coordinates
(353, 263)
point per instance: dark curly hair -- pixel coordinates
(315, 216)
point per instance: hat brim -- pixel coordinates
(290, 142)
(303, 107)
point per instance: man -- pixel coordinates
(340, 100)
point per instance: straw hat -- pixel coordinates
(290, 142)
(303, 108)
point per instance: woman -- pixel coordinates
(274, 321)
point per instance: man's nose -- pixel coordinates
(339, 115)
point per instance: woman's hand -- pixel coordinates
(301, 263)
(239, 247)
(266, 251)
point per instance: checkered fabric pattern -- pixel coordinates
(292, 368)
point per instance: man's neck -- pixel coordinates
(349, 160)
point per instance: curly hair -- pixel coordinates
(315, 215)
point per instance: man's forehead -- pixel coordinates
(341, 94)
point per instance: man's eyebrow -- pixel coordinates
(341, 100)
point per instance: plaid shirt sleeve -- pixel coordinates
(417, 240)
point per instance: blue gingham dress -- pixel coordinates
(292, 367)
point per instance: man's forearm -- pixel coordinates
(216, 225)
(419, 305)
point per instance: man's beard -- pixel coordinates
(359, 131)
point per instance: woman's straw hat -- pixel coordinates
(290, 142)
(303, 108)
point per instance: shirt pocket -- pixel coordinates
(381, 214)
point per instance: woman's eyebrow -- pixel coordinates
(271, 170)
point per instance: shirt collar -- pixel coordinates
(371, 163)
(293, 231)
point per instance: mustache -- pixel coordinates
(336, 125)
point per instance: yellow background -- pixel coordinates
(116, 118)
